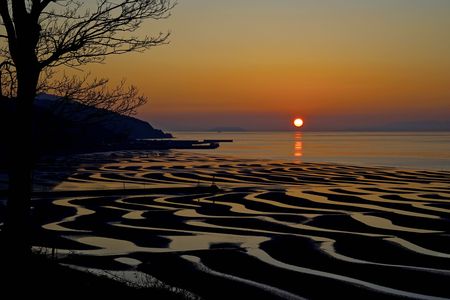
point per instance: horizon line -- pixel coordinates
(303, 130)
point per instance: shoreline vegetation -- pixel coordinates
(192, 225)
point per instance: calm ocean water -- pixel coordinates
(419, 150)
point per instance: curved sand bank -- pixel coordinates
(273, 230)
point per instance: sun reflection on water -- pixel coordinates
(298, 146)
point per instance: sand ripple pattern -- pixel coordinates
(274, 230)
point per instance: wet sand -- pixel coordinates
(272, 230)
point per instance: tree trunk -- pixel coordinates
(21, 160)
(23, 34)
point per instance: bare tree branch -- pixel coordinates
(92, 93)
(74, 33)
(9, 26)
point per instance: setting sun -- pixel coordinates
(298, 122)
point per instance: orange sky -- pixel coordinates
(349, 64)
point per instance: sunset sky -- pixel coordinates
(257, 64)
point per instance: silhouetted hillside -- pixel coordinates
(80, 114)
(71, 126)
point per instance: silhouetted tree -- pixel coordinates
(39, 35)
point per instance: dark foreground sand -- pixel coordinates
(273, 230)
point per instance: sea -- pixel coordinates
(411, 150)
